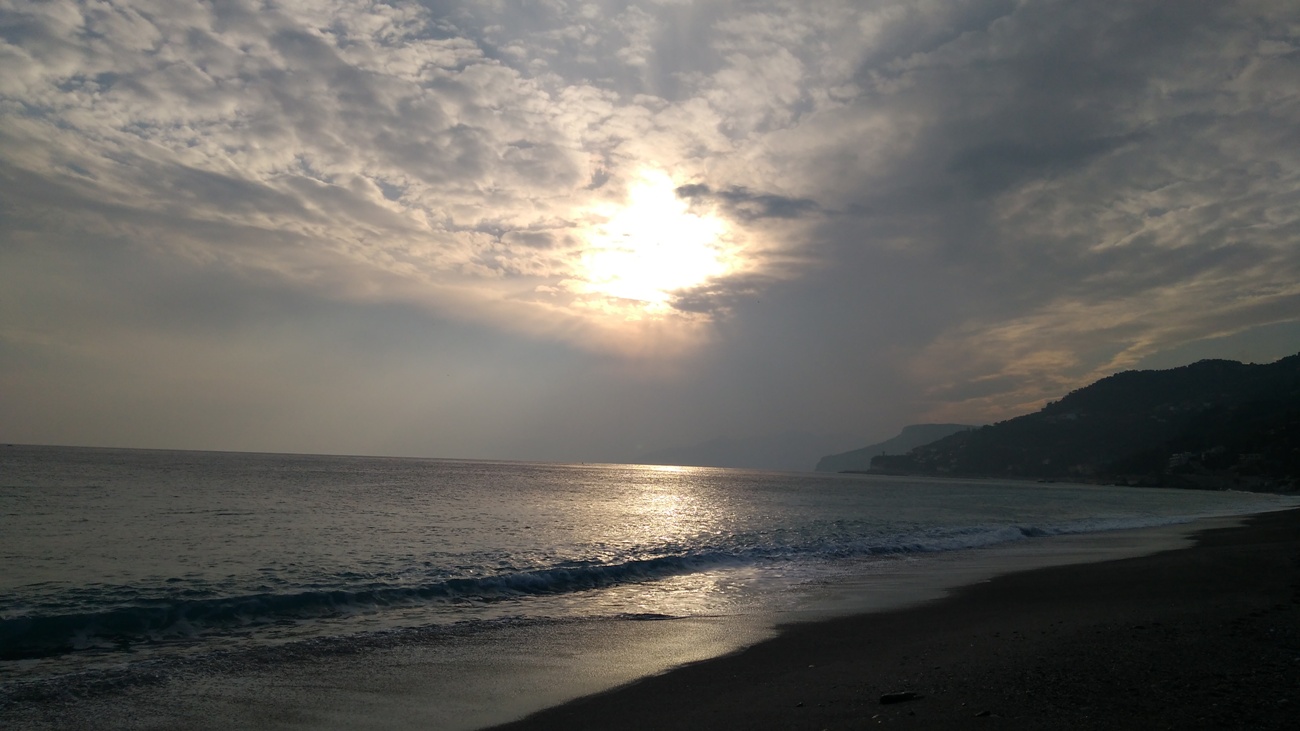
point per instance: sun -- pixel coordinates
(652, 246)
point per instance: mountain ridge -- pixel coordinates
(1215, 424)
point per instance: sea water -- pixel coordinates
(121, 567)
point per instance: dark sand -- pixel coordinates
(1204, 637)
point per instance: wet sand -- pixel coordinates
(1202, 637)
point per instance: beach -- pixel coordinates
(320, 592)
(1200, 637)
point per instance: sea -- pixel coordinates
(177, 589)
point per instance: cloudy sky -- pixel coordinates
(572, 230)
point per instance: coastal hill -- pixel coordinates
(910, 438)
(1215, 424)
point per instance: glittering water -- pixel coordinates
(116, 557)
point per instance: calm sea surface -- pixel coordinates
(120, 558)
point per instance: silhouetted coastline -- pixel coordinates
(1214, 424)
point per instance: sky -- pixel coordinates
(582, 231)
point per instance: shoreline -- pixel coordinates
(924, 626)
(1206, 636)
(1209, 482)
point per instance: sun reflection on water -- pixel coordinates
(668, 511)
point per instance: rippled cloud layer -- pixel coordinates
(928, 210)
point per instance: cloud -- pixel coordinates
(978, 203)
(1045, 152)
(746, 205)
(382, 140)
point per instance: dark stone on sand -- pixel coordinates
(899, 697)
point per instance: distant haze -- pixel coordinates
(909, 438)
(597, 231)
(791, 451)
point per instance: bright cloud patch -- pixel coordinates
(371, 151)
(651, 247)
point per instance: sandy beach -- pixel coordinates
(1202, 637)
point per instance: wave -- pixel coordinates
(174, 616)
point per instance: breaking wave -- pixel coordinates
(156, 615)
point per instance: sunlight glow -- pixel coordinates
(653, 246)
